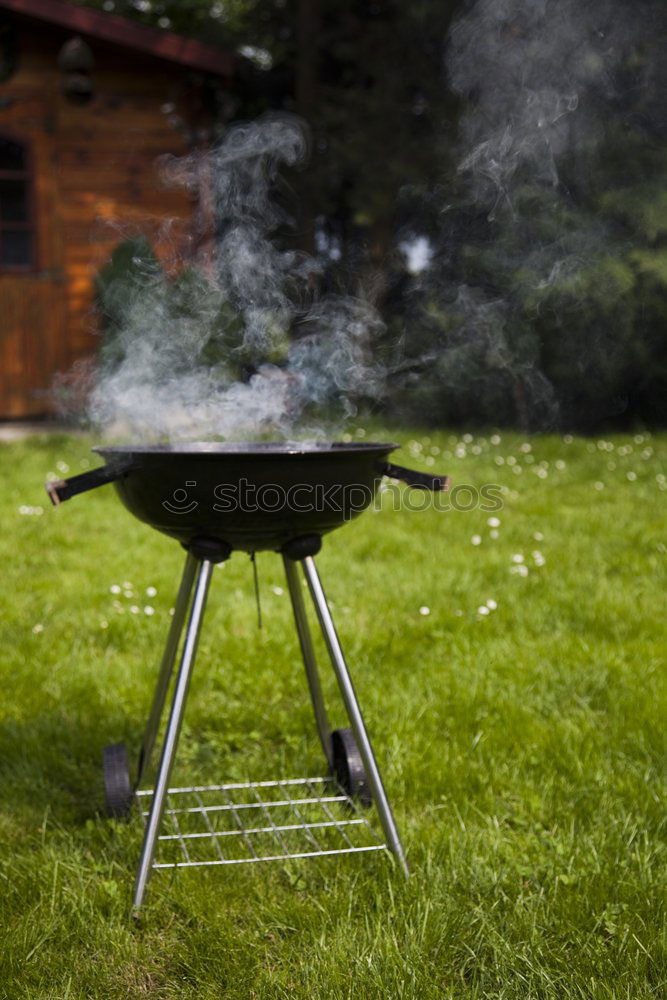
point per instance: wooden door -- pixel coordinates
(32, 343)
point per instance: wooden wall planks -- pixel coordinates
(96, 176)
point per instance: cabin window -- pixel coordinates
(17, 231)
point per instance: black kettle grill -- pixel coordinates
(215, 498)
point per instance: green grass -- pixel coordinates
(523, 750)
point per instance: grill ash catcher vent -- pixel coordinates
(193, 494)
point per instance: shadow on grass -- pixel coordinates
(53, 762)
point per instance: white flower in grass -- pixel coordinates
(483, 610)
(541, 472)
(460, 451)
(518, 557)
(494, 534)
(599, 485)
(493, 522)
(424, 610)
(632, 476)
(134, 609)
(526, 447)
(491, 604)
(278, 591)
(499, 460)
(104, 623)
(467, 438)
(568, 439)
(476, 540)
(538, 558)
(36, 629)
(148, 610)
(114, 588)
(538, 536)
(560, 464)
(495, 439)
(151, 591)
(521, 570)
(511, 460)
(517, 470)
(62, 467)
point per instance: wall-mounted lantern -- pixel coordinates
(76, 63)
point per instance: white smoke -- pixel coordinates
(537, 73)
(538, 78)
(233, 347)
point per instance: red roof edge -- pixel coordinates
(112, 28)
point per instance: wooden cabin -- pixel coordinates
(89, 102)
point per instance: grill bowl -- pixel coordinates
(251, 496)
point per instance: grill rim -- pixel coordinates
(240, 449)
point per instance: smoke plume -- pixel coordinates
(231, 343)
(543, 84)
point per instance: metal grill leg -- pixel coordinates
(167, 666)
(353, 710)
(173, 729)
(309, 659)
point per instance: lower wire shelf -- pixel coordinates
(248, 822)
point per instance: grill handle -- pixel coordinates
(63, 489)
(420, 480)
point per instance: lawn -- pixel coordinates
(512, 679)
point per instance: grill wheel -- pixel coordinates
(118, 794)
(348, 766)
